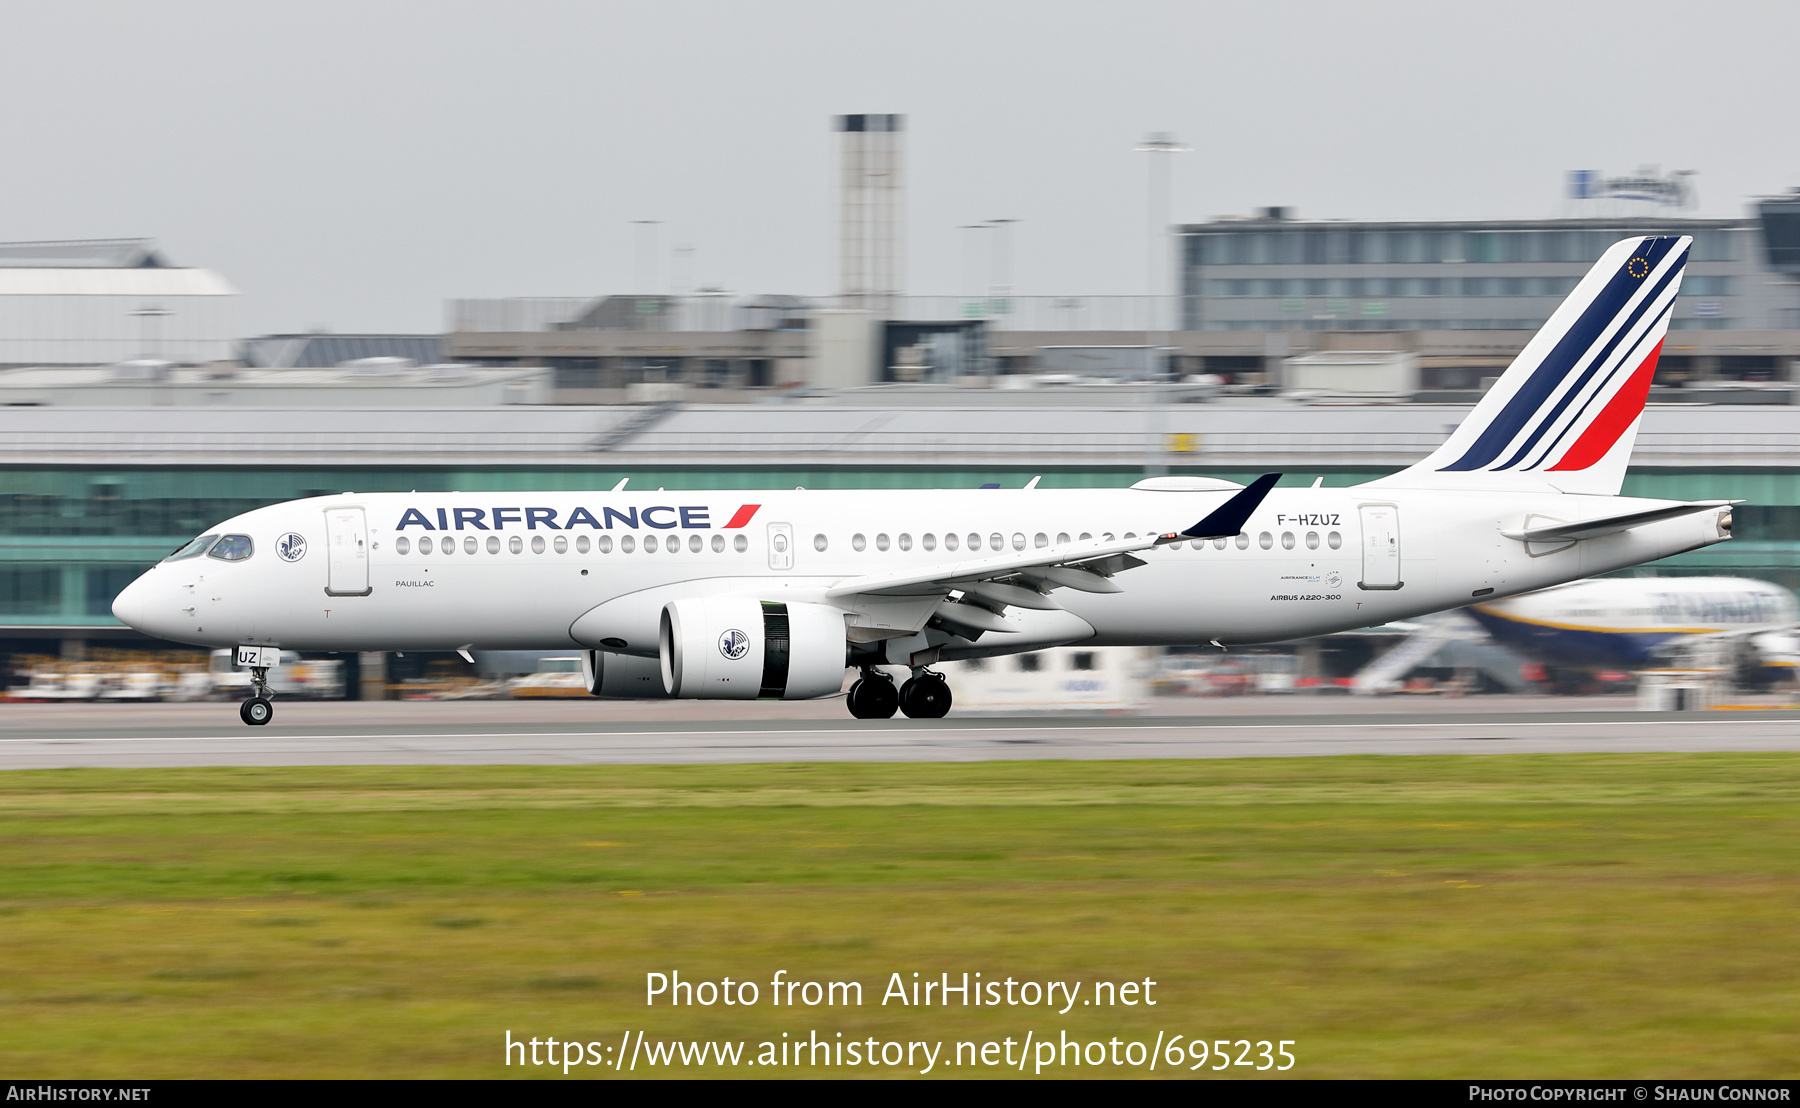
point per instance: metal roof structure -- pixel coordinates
(1230, 436)
(320, 350)
(82, 254)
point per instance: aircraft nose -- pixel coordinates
(128, 606)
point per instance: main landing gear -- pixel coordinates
(873, 696)
(258, 710)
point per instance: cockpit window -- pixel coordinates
(233, 548)
(193, 549)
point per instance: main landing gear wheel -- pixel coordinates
(926, 696)
(872, 696)
(257, 711)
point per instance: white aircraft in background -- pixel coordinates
(1629, 623)
(729, 596)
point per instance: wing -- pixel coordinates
(986, 587)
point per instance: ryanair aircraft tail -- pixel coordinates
(1566, 412)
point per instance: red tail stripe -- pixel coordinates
(742, 516)
(1626, 405)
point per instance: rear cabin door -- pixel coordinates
(1380, 547)
(347, 544)
(781, 546)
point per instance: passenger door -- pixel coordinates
(1380, 547)
(347, 550)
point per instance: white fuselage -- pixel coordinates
(551, 570)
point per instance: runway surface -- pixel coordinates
(524, 733)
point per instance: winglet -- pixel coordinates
(1229, 518)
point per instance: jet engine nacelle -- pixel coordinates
(741, 648)
(622, 676)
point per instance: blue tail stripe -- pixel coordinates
(1599, 360)
(1625, 364)
(1530, 398)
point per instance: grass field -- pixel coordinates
(1490, 916)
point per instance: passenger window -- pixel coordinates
(493, 544)
(1018, 541)
(1287, 540)
(1040, 540)
(1265, 540)
(649, 544)
(1085, 536)
(928, 541)
(997, 541)
(561, 544)
(1334, 540)
(718, 544)
(628, 543)
(819, 543)
(905, 541)
(740, 544)
(950, 541)
(403, 545)
(537, 544)
(1243, 541)
(516, 545)
(858, 543)
(1062, 537)
(193, 549)
(1218, 544)
(1312, 540)
(881, 541)
(469, 544)
(974, 541)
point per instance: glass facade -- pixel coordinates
(1263, 275)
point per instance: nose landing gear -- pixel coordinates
(258, 710)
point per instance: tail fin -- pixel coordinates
(1566, 412)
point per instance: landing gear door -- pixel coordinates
(1380, 547)
(347, 547)
(781, 546)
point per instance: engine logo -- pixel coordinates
(734, 644)
(290, 547)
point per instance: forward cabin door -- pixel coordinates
(347, 549)
(781, 546)
(1380, 547)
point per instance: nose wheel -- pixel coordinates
(926, 696)
(258, 710)
(872, 696)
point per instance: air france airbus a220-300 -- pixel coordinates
(777, 594)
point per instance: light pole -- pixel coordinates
(646, 254)
(1000, 280)
(971, 287)
(1158, 145)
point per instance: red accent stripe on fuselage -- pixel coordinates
(742, 516)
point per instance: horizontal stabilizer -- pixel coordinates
(1229, 518)
(1609, 525)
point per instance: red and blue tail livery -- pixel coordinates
(1565, 413)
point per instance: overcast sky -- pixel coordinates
(352, 165)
